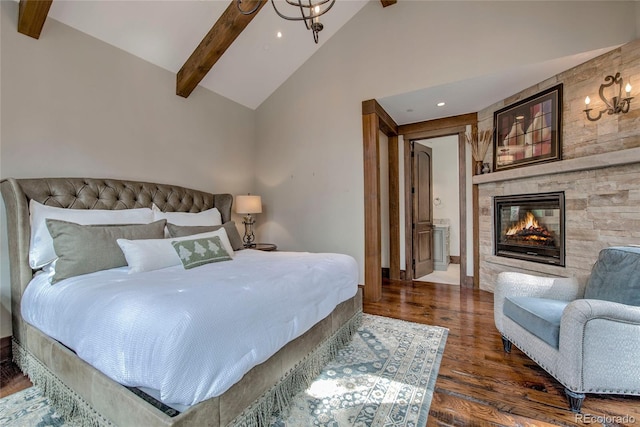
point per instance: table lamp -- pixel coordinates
(247, 205)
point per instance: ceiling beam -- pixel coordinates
(223, 33)
(31, 16)
(386, 3)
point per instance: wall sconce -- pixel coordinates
(618, 104)
(248, 205)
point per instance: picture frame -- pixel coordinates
(529, 131)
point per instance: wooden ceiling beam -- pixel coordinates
(386, 3)
(31, 16)
(223, 33)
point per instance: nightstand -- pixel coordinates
(267, 247)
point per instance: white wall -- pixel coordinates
(384, 201)
(310, 130)
(444, 152)
(75, 106)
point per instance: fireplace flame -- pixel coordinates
(529, 231)
(529, 221)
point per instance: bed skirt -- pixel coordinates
(67, 403)
(75, 409)
(279, 398)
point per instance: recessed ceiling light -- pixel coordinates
(440, 104)
(279, 35)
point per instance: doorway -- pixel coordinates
(445, 209)
(374, 121)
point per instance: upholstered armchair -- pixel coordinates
(585, 333)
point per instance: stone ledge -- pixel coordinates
(597, 161)
(529, 267)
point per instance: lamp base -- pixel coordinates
(249, 238)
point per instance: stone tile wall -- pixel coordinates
(602, 204)
(602, 208)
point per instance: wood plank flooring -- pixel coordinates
(12, 380)
(480, 385)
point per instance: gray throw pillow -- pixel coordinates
(83, 249)
(197, 252)
(616, 276)
(189, 230)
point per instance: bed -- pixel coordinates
(78, 388)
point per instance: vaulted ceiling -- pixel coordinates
(209, 43)
(251, 62)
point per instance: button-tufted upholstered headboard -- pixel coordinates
(86, 193)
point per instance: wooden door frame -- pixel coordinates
(375, 120)
(456, 125)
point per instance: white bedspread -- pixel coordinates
(190, 334)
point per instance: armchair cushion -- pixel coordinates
(539, 316)
(616, 276)
(512, 284)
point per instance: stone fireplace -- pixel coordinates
(530, 227)
(599, 175)
(602, 209)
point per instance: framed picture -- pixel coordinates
(529, 131)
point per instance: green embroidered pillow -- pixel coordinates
(197, 252)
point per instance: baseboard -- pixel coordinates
(454, 259)
(5, 349)
(386, 273)
(468, 282)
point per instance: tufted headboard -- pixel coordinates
(86, 193)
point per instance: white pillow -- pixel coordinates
(41, 251)
(209, 217)
(148, 254)
(154, 254)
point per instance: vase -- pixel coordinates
(477, 167)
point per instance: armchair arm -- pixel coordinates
(520, 284)
(599, 346)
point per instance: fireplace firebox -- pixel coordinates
(530, 227)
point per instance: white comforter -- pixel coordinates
(190, 334)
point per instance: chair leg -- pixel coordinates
(506, 344)
(575, 400)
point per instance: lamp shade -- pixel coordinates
(248, 204)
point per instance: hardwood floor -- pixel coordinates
(480, 385)
(12, 380)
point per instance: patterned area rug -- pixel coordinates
(384, 377)
(29, 408)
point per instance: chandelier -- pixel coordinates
(309, 11)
